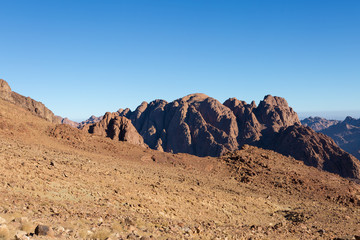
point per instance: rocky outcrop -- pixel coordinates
(272, 114)
(28, 103)
(115, 127)
(195, 124)
(318, 123)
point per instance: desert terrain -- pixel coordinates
(84, 186)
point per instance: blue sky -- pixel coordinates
(87, 57)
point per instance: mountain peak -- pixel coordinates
(4, 86)
(194, 97)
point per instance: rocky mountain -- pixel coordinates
(346, 134)
(28, 103)
(115, 127)
(318, 123)
(200, 125)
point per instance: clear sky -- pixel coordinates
(87, 57)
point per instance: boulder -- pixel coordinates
(43, 230)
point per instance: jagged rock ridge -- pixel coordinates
(33, 106)
(200, 125)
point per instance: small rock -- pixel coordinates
(144, 238)
(24, 220)
(2, 220)
(21, 235)
(43, 230)
(245, 147)
(60, 229)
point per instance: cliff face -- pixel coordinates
(28, 103)
(200, 125)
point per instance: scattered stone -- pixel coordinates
(43, 230)
(2, 220)
(294, 217)
(132, 236)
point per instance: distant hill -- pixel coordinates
(318, 123)
(346, 134)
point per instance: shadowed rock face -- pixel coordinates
(315, 149)
(115, 127)
(33, 106)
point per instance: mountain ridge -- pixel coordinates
(28, 103)
(200, 125)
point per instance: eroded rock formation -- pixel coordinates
(115, 127)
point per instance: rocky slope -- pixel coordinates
(202, 126)
(85, 186)
(33, 106)
(346, 134)
(318, 123)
